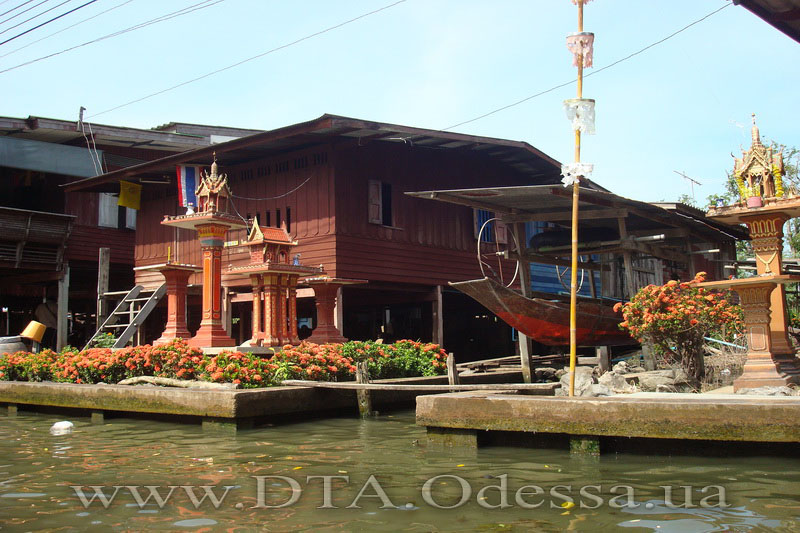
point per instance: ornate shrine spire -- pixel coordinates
(759, 172)
(213, 192)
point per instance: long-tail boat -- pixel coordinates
(545, 317)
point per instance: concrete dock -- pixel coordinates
(468, 418)
(227, 409)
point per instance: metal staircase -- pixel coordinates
(129, 314)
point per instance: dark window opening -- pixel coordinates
(277, 218)
(288, 219)
(386, 204)
(267, 218)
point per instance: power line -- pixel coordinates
(48, 21)
(21, 12)
(184, 11)
(15, 8)
(18, 24)
(223, 69)
(65, 29)
(617, 62)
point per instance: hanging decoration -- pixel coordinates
(581, 44)
(580, 111)
(572, 172)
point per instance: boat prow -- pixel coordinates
(546, 319)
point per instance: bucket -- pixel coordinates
(34, 331)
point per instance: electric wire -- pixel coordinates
(559, 86)
(14, 51)
(183, 11)
(284, 195)
(257, 56)
(25, 11)
(15, 8)
(45, 23)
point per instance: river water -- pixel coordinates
(391, 481)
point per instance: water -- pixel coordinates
(38, 469)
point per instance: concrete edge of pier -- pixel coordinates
(459, 419)
(242, 407)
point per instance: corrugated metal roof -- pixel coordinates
(538, 166)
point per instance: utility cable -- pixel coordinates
(223, 69)
(65, 29)
(617, 62)
(45, 23)
(15, 8)
(274, 197)
(18, 24)
(25, 11)
(184, 11)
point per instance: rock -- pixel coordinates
(621, 368)
(561, 372)
(636, 368)
(615, 382)
(583, 381)
(546, 373)
(768, 391)
(666, 388)
(598, 389)
(650, 381)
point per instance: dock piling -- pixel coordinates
(364, 396)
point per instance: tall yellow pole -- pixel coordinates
(573, 285)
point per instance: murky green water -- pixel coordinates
(37, 471)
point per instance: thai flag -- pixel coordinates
(188, 176)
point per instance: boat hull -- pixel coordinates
(547, 320)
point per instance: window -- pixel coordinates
(495, 231)
(111, 216)
(267, 218)
(288, 219)
(380, 203)
(107, 216)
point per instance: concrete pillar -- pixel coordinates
(177, 280)
(211, 332)
(98, 417)
(452, 437)
(257, 284)
(325, 299)
(584, 445)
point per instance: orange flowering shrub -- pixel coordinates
(677, 316)
(326, 362)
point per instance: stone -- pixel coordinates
(621, 368)
(598, 389)
(546, 373)
(650, 381)
(615, 382)
(583, 382)
(769, 391)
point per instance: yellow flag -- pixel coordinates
(130, 194)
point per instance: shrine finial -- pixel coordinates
(755, 133)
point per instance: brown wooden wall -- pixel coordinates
(258, 186)
(429, 242)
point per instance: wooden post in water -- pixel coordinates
(364, 397)
(452, 371)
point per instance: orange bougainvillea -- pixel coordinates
(677, 316)
(324, 362)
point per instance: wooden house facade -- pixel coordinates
(338, 186)
(50, 242)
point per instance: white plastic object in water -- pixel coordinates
(61, 428)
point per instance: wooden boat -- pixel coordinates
(545, 318)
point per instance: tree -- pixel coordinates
(676, 317)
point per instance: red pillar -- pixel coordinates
(211, 333)
(258, 315)
(326, 332)
(293, 338)
(177, 280)
(283, 309)
(271, 310)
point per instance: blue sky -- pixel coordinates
(683, 105)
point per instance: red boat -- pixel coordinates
(545, 318)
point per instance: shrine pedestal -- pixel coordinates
(176, 276)
(325, 291)
(211, 229)
(764, 367)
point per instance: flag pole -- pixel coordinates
(573, 286)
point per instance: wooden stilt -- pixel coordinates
(63, 308)
(103, 264)
(364, 396)
(452, 371)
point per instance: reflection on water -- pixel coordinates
(246, 473)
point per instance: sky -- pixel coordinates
(683, 105)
